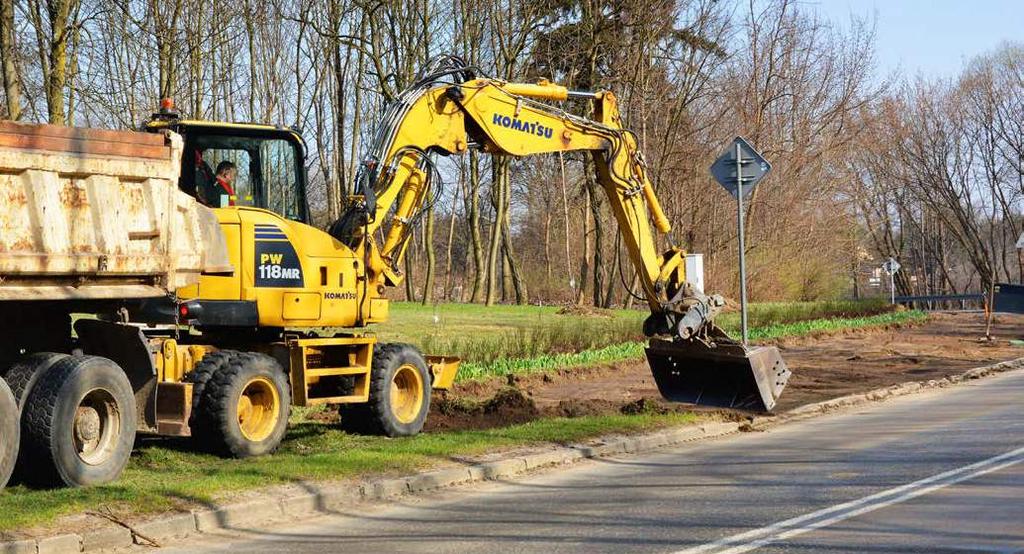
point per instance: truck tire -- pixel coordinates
(9, 433)
(244, 407)
(23, 374)
(78, 424)
(399, 394)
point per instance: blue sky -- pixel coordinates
(931, 38)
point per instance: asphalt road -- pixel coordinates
(941, 471)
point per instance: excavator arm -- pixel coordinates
(451, 111)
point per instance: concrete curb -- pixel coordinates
(320, 498)
(808, 411)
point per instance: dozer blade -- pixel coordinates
(725, 375)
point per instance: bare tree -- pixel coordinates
(9, 61)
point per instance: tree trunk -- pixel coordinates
(598, 273)
(476, 241)
(357, 115)
(506, 274)
(250, 39)
(565, 212)
(547, 245)
(8, 55)
(518, 284)
(428, 245)
(451, 236)
(60, 13)
(613, 278)
(76, 36)
(499, 172)
(628, 302)
(585, 259)
(410, 290)
(335, 186)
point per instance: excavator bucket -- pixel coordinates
(724, 374)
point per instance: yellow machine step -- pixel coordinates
(331, 370)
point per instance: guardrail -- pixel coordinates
(942, 301)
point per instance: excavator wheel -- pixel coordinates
(9, 433)
(399, 394)
(200, 376)
(78, 423)
(245, 403)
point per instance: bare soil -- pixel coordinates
(586, 311)
(824, 366)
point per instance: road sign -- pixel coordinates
(891, 266)
(752, 168)
(740, 168)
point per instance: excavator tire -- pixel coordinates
(399, 394)
(78, 423)
(9, 433)
(23, 374)
(200, 376)
(245, 403)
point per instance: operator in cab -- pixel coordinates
(222, 185)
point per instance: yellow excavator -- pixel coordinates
(96, 353)
(450, 111)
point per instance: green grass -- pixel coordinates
(483, 335)
(164, 475)
(634, 350)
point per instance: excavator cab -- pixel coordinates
(268, 161)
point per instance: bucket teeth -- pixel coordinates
(726, 374)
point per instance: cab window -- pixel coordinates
(280, 180)
(267, 172)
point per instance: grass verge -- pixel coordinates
(634, 350)
(164, 475)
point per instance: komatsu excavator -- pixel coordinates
(128, 306)
(451, 110)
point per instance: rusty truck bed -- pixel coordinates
(97, 214)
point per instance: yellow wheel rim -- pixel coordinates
(406, 393)
(259, 407)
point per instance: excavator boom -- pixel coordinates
(451, 110)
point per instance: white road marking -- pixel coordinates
(745, 542)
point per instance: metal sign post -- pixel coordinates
(892, 288)
(738, 170)
(743, 249)
(891, 266)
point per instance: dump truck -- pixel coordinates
(135, 300)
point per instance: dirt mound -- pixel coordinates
(586, 311)
(581, 408)
(644, 406)
(508, 406)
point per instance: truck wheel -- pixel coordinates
(78, 423)
(24, 373)
(245, 406)
(9, 433)
(399, 392)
